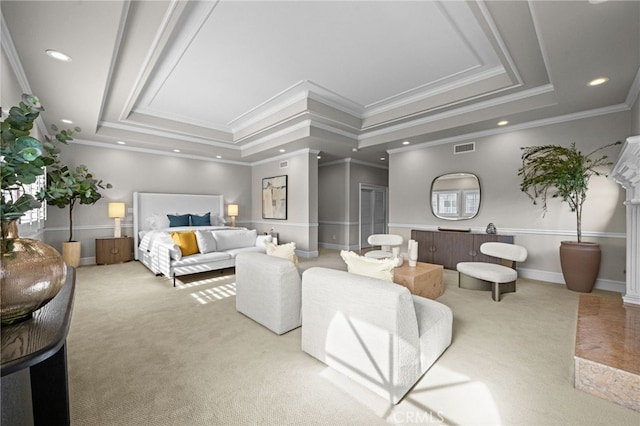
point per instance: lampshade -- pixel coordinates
(232, 210)
(117, 210)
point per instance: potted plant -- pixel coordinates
(68, 186)
(564, 172)
(32, 272)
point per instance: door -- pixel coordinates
(373, 212)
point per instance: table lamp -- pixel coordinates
(232, 211)
(117, 211)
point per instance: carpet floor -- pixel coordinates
(141, 352)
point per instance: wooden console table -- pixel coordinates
(34, 363)
(447, 248)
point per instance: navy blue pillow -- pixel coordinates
(204, 220)
(179, 220)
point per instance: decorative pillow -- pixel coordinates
(158, 221)
(230, 239)
(218, 220)
(178, 220)
(376, 268)
(186, 241)
(261, 240)
(206, 241)
(285, 251)
(204, 220)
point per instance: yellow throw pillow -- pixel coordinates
(376, 268)
(285, 251)
(186, 241)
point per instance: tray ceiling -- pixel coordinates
(242, 80)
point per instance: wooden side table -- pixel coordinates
(114, 250)
(424, 279)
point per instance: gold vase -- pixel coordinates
(32, 273)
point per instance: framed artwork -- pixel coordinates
(274, 197)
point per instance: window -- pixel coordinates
(33, 215)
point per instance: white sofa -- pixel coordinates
(268, 290)
(221, 250)
(373, 331)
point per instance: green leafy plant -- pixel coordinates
(560, 172)
(23, 158)
(67, 186)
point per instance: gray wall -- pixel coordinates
(496, 162)
(301, 225)
(129, 172)
(635, 117)
(339, 195)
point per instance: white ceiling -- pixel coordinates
(242, 80)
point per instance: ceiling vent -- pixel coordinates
(284, 164)
(464, 147)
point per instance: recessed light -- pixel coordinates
(319, 158)
(176, 150)
(121, 143)
(503, 123)
(64, 120)
(382, 158)
(598, 81)
(354, 149)
(218, 156)
(58, 55)
(282, 150)
(406, 143)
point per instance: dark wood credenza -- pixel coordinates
(447, 248)
(34, 363)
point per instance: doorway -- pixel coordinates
(373, 212)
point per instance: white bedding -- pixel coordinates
(150, 238)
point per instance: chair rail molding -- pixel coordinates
(626, 172)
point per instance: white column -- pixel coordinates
(626, 172)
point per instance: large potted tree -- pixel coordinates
(67, 186)
(564, 172)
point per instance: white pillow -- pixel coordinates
(231, 239)
(261, 240)
(285, 251)
(376, 268)
(158, 221)
(206, 241)
(217, 220)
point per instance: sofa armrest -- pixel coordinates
(435, 326)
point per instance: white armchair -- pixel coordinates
(499, 278)
(373, 331)
(386, 243)
(268, 291)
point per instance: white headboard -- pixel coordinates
(146, 204)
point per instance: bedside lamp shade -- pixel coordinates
(117, 211)
(232, 211)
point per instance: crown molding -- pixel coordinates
(522, 126)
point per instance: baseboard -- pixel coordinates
(331, 246)
(307, 254)
(557, 278)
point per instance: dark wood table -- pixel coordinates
(34, 363)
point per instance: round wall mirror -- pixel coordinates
(455, 196)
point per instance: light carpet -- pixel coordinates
(141, 352)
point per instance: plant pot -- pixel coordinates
(32, 273)
(580, 264)
(71, 253)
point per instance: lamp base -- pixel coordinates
(117, 232)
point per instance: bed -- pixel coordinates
(155, 248)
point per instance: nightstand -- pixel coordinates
(113, 250)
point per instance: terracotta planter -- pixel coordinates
(71, 253)
(580, 265)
